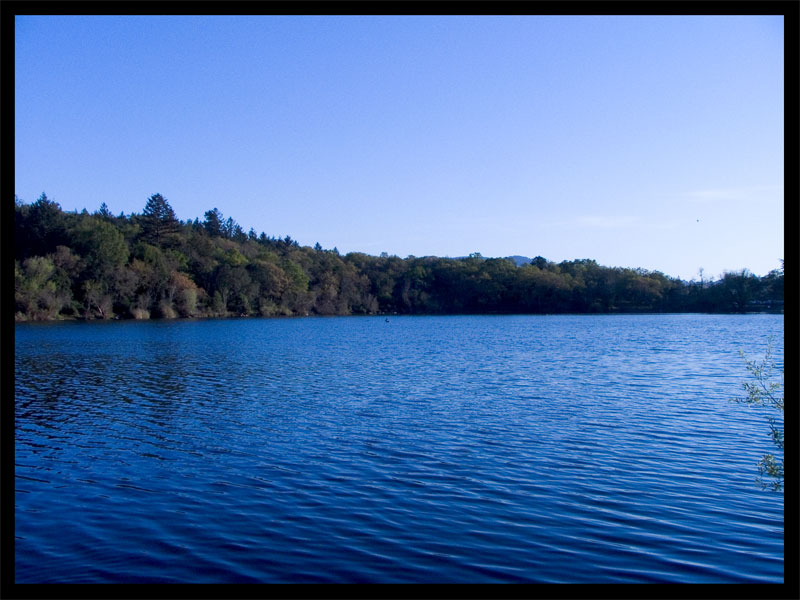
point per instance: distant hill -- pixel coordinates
(519, 260)
(516, 259)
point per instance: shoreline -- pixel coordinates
(118, 318)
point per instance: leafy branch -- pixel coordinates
(764, 391)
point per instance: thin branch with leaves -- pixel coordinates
(765, 391)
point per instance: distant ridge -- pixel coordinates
(516, 259)
(519, 260)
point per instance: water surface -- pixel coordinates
(426, 449)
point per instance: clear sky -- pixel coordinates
(653, 142)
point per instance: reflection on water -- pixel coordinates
(454, 449)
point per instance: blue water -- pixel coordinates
(427, 449)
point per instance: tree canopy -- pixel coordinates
(81, 265)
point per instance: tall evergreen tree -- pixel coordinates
(104, 212)
(213, 222)
(45, 224)
(229, 228)
(158, 219)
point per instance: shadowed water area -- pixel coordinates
(423, 449)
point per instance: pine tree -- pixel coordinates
(158, 219)
(213, 222)
(104, 212)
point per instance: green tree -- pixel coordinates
(104, 212)
(36, 293)
(771, 288)
(540, 262)
(158, 219)
(213, 222)
(238, 234)
(736, 289)
(44, 227)
(270, 278)
(237, 290)
(765, 391)
(153, 268)
(186, 301)
(101, 244)
(124, 286)
(97, 300)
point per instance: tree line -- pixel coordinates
(152, 265)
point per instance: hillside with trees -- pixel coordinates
(152, 265)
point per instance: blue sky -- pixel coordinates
(653, 142)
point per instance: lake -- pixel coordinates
(544, 449)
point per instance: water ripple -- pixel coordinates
(463, 449)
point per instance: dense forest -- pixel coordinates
(152, 265)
